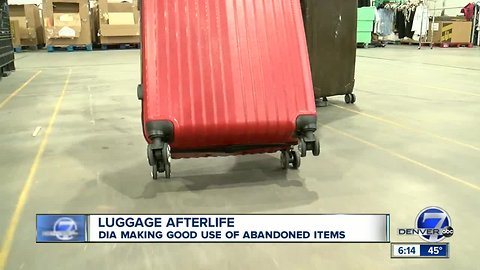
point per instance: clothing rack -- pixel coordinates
(421, 27)
(407, 13)
(475, 23)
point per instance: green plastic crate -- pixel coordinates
(366, 14)
(364, 37)
(365, 20)
(364, 26)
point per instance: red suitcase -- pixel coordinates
(225, 77)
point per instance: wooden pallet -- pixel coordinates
(21, 48)
(454, 45)
(441, 44)
(122, 46)
(70, 48)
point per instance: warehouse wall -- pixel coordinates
(24, 1)
(453, 3)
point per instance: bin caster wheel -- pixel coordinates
(316, 148)
(284, 159)
(354, 98)
(350, 98)
(296, 159)
(302, 147)
(155, 172)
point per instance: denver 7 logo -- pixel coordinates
(436, 219)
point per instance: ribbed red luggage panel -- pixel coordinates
(226, 72)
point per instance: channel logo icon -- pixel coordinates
(64, 229)
(59, 228)
(433, 224)
(437, 219)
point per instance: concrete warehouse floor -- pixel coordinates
(411, 141)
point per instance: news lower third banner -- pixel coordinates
(271, 228)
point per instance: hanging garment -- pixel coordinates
(410, 15)
(401, 24)
(363, 3)
(469, 11)
(384, 22)
(376, 25)
(420, 21)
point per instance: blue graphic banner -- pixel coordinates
(61, 228)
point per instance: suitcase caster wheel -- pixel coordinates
(350, 98)
(284, 159)
(154, 172)
(302, 147)
(316, 148)
(296, 159)
(167, 158)
(167, 171)
(166, 154)
(150, 155)
(160, 167)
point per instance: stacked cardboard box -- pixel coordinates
(451, 30)
(27, 28)
(118, 22)
(15, 31)
(67, 22)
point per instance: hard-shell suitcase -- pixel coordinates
(330, 27)
(225, 77)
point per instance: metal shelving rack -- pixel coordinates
(7, 57)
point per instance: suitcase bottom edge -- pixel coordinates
(234, 150)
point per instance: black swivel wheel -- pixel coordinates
(155, 172)
(161, 167)
(167, 171)
(150, 155)
(284, 159)
(167, 158)
(302, 147)
(354, 98)
(296, 159)
(350, 98)
(316, 148)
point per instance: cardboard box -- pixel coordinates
(67, 22)
(15, 30)
(120, 40)
(67, 25)
(121, 18)
(118, 22)
(24, 32)
(30, 27)
(451, 31)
